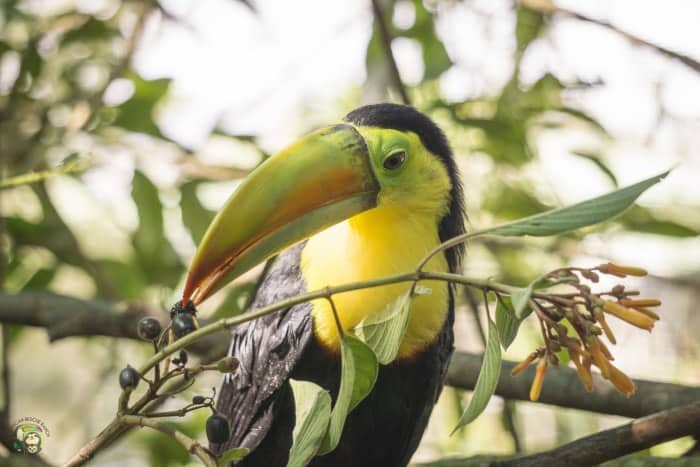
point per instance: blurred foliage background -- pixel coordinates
(143, 116)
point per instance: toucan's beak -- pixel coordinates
(322, 179)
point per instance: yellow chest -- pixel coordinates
(377, 243)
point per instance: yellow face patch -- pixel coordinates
(389, 239)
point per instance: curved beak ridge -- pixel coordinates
(322, 179)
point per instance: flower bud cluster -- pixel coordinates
(576, 323)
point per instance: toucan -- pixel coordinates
(364, 198)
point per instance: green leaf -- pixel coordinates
(435, 57)
(528, 26)
(596, 160)
(149, 233)
(579, 215)
(643, 220)
(195, 216)
(358, 374)
(92, 30)
(136, 114)
(507, 321)
(520, 299)
(156, 257)
(231, 455)
(584, 117)
(313, 409)
(487, 380)
(384, 330)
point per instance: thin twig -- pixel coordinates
(35, 177)
(550, 8)
(176, 413)
(385, 36)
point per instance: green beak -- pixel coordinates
(322, 179)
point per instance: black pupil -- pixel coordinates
(395, 160)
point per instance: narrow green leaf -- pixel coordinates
(137, 113)
(584, 117)
(528, 26)
(156, 257)
(194, 215)
(313, 413)
(520, 299)
(366, 370)
(659, 222)
(579, 215)
(149, 234)
(384, 330)
(232, 455)
(487, 380)
(595, 159)
(358, 374)
(507, 322)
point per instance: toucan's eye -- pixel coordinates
(395, 161)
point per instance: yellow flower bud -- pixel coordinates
(599, 359)
(606, 329)
(606, 352)
(649, 313)
(621, 381)
(522, 365)
(536, 387)
(583, 370)
(642, 302)
(630, 315)
(621, 271)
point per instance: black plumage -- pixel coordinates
(385, 429)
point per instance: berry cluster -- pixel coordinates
(182, 322)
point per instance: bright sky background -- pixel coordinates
(274, 73)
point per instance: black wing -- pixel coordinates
(268, 349)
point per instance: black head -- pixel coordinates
(406, 118)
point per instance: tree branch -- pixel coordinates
(549, 8)
(626, 439)
(64, 316)
(627, 461)
(386, 38)
(564, 389)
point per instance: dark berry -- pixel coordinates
(198, 400)
(183, 324)
(183, 357)
(128, 378)
(148, 328)
(179, 308)
(217, 429)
